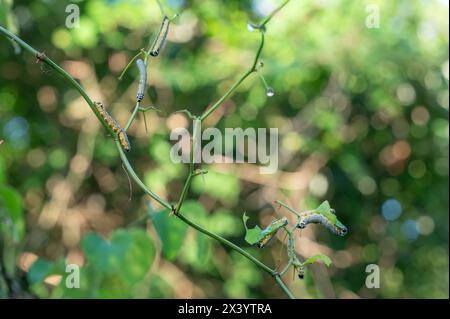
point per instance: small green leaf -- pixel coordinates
(135, 251)
(97, 251)
(224, 223)
(171, 231)
(11, 204)
(253, 235)
(40, 269)
(313, 259)
(245, 218)
(203, 244)
(128, 255)
(195, 211)
(325, 210)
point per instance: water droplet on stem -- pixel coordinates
(270, 92)
(251, 27)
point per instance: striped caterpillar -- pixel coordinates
(301, 271)
(328, 219)
(298, 266)
(112, 123)
(269, 232)
(161, 38)
(142, 79)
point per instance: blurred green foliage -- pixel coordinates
(371, 103)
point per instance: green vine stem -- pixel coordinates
(270, 16)
(283, 286)
(279, 202)
(42, 57)
(187, 184)
(237, 83)
(185, 219)
(290, 249)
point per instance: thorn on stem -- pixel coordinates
(174, 210)
(40, 56)
(189, 114)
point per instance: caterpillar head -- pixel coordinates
(301, 272)
(341, 230)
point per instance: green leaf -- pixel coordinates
(253, 235)
(245, 218)
(128, 255)
(313, 259)
(225, 187)
(40, 269)
(325, 210)
(11, 204)
(97, 251)
(197, 249)
(203, 244)
(223, 222)
(136, 253)
(7, 17)
(2, 170)
(171, 231)
(195, 211)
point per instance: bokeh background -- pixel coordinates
(363, 121)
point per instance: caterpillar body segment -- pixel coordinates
(269, 232)
(332, 224)
(123, 140)
(115, 127)
(142, 79)
(161, 38)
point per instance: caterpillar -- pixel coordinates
(112, 123)
(301, 271)
(161, 38)
(330, 221)
(299, 267)
(142, 79)
(269, 232)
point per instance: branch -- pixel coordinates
(274, 12)
(283, 286)
(261, 28)
(42, 57)
(237, 83)
(167, 205)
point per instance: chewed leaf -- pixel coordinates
(253, 235)
(313, 259)
(325, 210)
(244, 219)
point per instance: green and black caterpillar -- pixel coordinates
(269, 232)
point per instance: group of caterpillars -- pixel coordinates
(305, 218)
(154, 51)
(327, 219)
